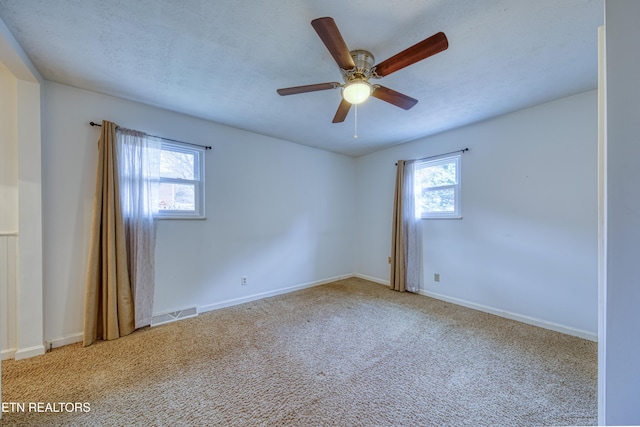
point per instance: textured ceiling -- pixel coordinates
(223, 61)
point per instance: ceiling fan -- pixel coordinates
(357, 68)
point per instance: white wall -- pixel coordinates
(620, 354)
(527, 244)
(8, 211)
(279, 213)
(29, 293)
(8, 152)
(21, 309)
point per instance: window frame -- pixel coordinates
(457, 187)
(198, 182)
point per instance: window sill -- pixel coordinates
(441, 217)
(185, 217)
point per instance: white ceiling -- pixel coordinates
(223, 60)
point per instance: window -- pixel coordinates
(437, 188)
(181, 182)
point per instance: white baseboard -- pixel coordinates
(60, 342)
(513, 316)
(506, 314)
(372, 279)
(7, 354)
(25, 353)
(77, 337)
(261, 295)
(13, 353)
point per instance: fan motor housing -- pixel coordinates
(364, 61)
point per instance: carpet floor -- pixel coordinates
(348, 353)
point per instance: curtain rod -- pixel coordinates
(440, 155)
(206, 147)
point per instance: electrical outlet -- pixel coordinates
(243, 281)
(436, 277)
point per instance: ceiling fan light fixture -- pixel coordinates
(357, 67)
(357, 91)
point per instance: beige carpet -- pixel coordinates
(350, 353)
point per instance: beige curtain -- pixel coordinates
(109, 312)
(406, 239)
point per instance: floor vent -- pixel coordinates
(173, 316)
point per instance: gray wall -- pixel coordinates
(620, 349)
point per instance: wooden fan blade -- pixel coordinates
(330, 36)
(343, 110)
(393, 97)
(308, 88)
(419, 51)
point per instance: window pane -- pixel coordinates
(176, 197)
(435, 176)
(438, 200)
(176, 164)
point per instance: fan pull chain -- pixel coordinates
(355, 132)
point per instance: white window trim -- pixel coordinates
(198, 182)
(457, 213)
